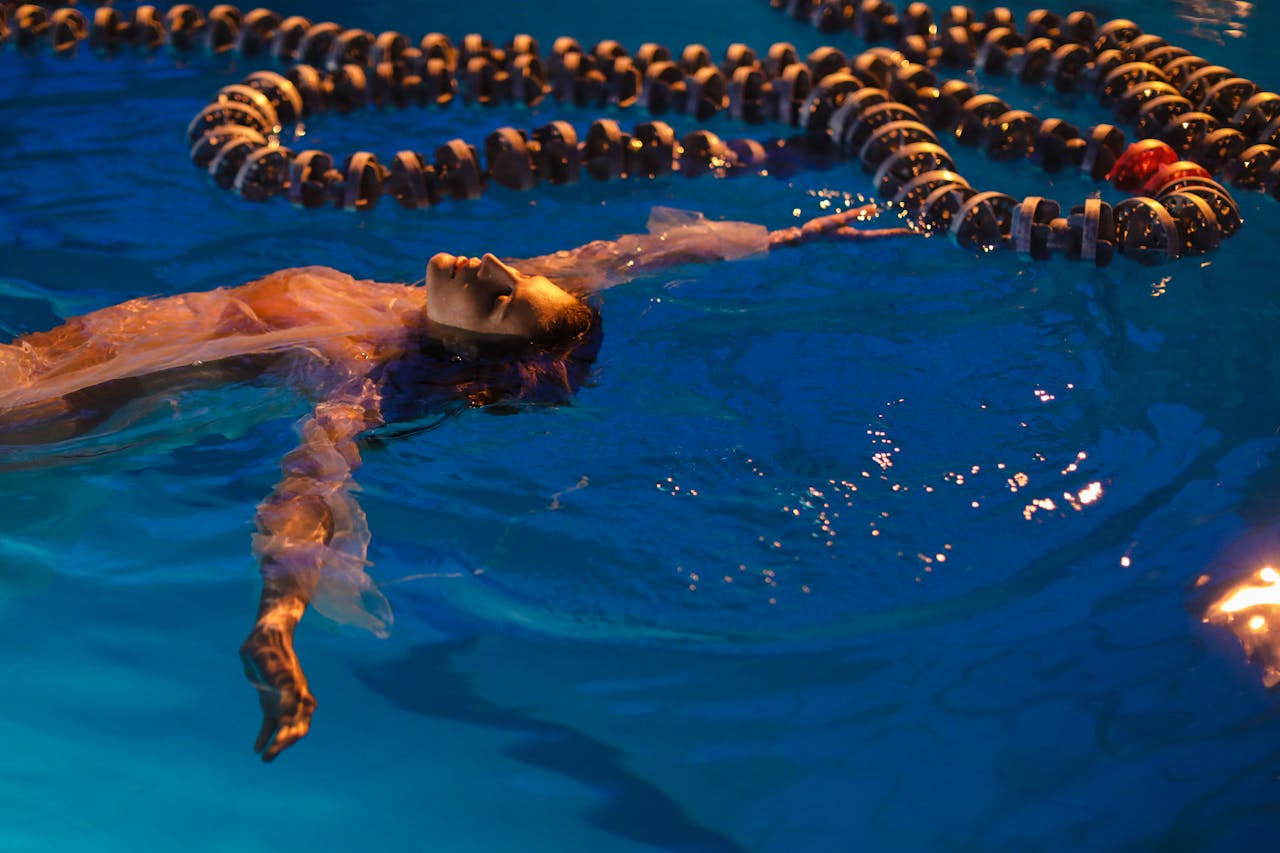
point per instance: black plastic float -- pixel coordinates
(884, 107)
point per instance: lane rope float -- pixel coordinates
(886, 108)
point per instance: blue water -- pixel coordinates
(776, 581)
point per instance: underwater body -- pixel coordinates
(872, 547)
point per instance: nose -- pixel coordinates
(494, 272)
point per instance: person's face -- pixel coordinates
(487, 297)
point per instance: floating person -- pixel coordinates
(478, 332)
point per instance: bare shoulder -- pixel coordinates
(298, 280)
(290, 297)
(346, 320)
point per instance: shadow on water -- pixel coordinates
(427, 682)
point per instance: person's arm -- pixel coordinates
(311, 542)
(681, 237)
(837, 226)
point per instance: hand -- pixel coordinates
(272, 667)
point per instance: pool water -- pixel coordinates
(855, 547)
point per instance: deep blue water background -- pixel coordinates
(702, 607)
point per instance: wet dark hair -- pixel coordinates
(543, 372)
(429, 386)
(572, 324)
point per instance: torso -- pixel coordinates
(323, 320)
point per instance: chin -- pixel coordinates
(439, 265)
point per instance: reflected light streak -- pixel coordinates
(1238, 612)
(1215, 20)
(1254, 596)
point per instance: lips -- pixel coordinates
(464, 263)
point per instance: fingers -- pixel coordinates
(286, 736)
(270, 722)
(286, 717)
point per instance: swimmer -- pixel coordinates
(477, 332)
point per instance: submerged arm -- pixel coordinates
(836, 226)
(311, 543)
(680, 237)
